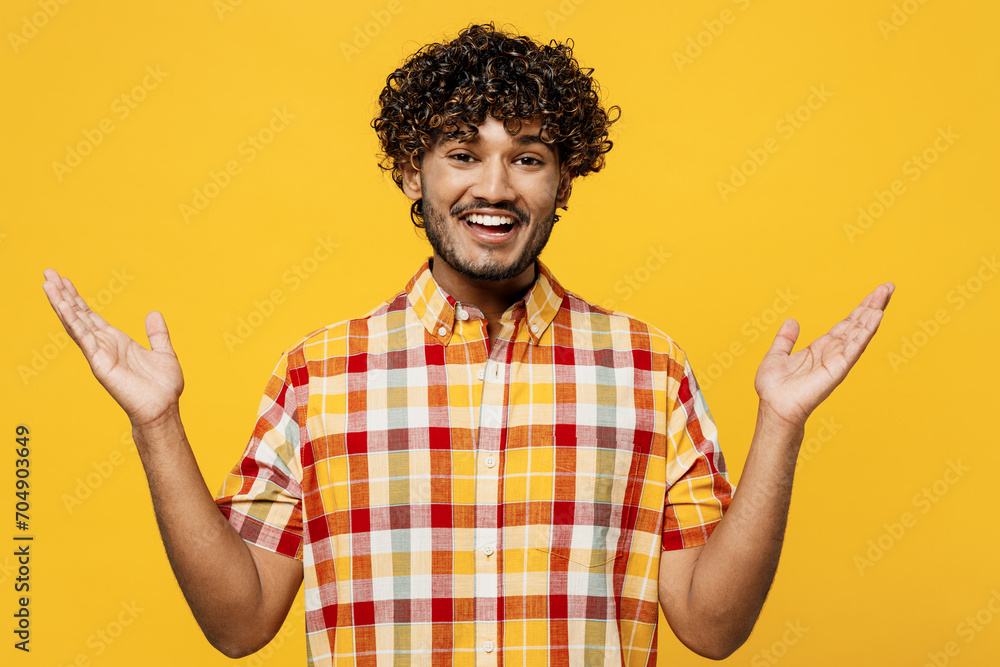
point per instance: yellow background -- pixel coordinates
(685, 126)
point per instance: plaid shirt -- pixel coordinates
(455, 502)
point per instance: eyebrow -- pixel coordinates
(523, 140)
(526, 139)
(533, 139)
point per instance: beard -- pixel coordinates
(489, 267)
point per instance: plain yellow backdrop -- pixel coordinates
(774, 159)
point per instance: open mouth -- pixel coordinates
(490, 225)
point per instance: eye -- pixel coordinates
(460, 157)
(533, 161)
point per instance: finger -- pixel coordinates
(879, 297)
(57, 298)
(83, 311)
(63, 287)
(53, 286)
(892, 288)
(66, 289)
(79, 330)
(98, 321)
(857, 337)
(846, 325)
(863, 334)
(51, 275)
(73, 312)
(53, 292)
(876, 300)
(156, 331)
(72, 295)
(785, 339)
(69, 287)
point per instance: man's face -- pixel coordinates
(489, 203)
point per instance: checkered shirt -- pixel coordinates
(456, 502)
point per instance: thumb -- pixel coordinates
(156, 331)
(785, 339)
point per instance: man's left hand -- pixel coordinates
(791, 385)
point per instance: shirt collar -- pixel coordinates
(436, 309)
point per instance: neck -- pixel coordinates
(493, 297)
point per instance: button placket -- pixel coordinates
(492, 421)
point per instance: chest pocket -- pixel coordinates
(585, 524)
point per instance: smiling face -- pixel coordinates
(489, 204)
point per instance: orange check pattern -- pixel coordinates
(454, 503)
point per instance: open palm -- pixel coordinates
(793, 384)
(145, 383)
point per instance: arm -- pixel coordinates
(712, 595)
(239, 593)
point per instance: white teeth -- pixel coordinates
(490, 220)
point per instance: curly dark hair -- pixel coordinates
(509, 76)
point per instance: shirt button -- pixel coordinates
(534, 328)
(488, 646)
(462, 315)
(488, 550)
(443, 331)
(481, 374)
(490, 461)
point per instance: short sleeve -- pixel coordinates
(698, 487)
(262, 495)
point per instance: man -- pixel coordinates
(486, 468)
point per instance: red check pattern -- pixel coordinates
(457, 503)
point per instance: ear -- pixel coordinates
(412, 185)
(565, 186)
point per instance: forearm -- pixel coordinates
(712, 594)
(213, 565)
(731, 577)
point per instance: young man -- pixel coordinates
(486, 468)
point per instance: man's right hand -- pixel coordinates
(239, 593)
(146, 383)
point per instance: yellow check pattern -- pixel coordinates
(455, 502)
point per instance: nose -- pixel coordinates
(494, 182)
